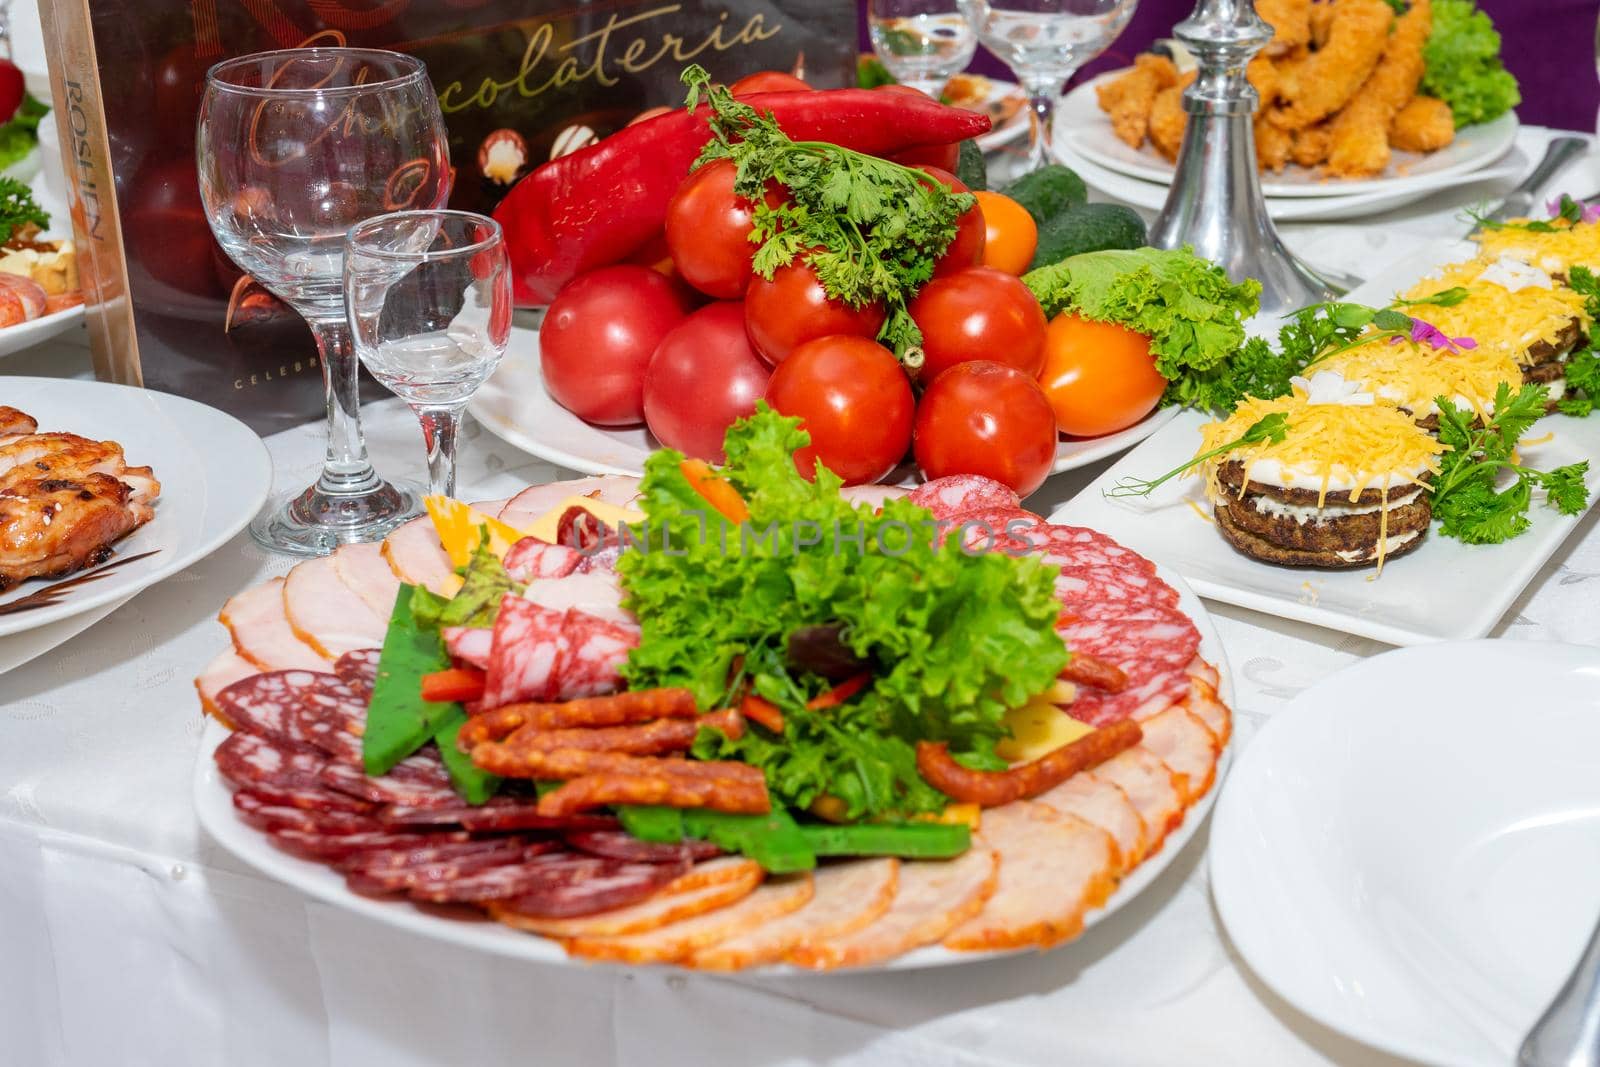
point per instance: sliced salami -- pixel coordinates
(1078, 546)
(332, 718)
(497, 815)
(249, 759)
(601, 560)
(529, 646)
(1153, 650)
(311, 798)
(423, 855)
(955, 495)
(469, 644)
(596, 650)
(359, 670)
(620, 845)
(376, 881)
(261, 813)
(332, 848)
(532, 558)
(266, 704)
(572, 886)
(389, 788)
(538, 874)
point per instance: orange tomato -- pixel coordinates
(1099, 377)
(1010, 233)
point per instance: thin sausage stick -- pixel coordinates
(564, 764)
(596, 790)
(1084, 669)
(645, 739)
(994, 788)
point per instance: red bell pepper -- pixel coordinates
(597, 206)
(456, 683)
(840, 693)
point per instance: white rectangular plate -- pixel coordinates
(1445, 590)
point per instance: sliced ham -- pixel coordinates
(933, 898)
(417, 558)
(846, 896)
(1104, 805)
(1151, 787)
(326, 613)
(261, 631)
(709, 885)
(1053, 869)
(1204, 705)
(363, 568)
(228, 667)
(772, 900)
(1185, 744)
(529, 505)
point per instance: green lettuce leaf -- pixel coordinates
(1463, 65)
(1192, 313)
(953, 640)
(20, 135)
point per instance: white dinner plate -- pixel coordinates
(214, 473)
(470, 929)
(1006, 131)
(1086, 130)
(25, 335)
(1410, 851)
(516, 408)
(1445, 590)
(1153, 195)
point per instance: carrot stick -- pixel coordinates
(716, 490)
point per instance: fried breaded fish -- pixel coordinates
(1290, 21)
(1360, 132)
(1321, 20)
(1330, 76)
(1167, 119)
(1424, 125)
(1273, 144)
(1128, 99)
(1309, 145)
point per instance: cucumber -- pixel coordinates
(1088, 228)
(1048, 192)
(970, 167)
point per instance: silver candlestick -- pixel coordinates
(1215, 204)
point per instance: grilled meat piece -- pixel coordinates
(54, 526)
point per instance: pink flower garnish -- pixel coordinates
(1426, 333)
(1591, 212)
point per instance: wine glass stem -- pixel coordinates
(439, 428)
(345, 469)
(1042, 91)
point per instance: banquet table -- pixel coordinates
(128, 937)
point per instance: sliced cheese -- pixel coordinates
(546, 526)
(1037, 729)
(460, 529)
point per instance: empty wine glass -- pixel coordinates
(293, 147)
(1045, 42)
(429, 294)
(921, 42)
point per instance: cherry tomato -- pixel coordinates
(708, 232)
(703, 377)
(853, 398)
(966, 249)
(986, 418)
(794, 308)
(1010, 234)
(980, 313)
(768, 81)
(1099, 377)
(598, 336)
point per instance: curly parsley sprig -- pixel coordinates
(1467, 502)
(18, 209)
(871, 229)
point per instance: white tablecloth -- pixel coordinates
(127, 937)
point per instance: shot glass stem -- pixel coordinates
(439, 428)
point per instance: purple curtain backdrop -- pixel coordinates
(1549, 45)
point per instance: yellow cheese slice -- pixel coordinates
(460, 529)
(613, 515)
(1037, 729)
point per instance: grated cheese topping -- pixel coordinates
(1505, 320)
(1340, 448)
(1412, 375)
(1567, 246)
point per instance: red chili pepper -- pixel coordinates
(761, 710)
(456, 683)
(840, 693)
(597, 206)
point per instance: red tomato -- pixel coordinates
(1099, 377)
(794, 308)
(986, 418)
(598, 336)
(708, 232)
(11, 89)
(980, 313)
(853, 398)
(768, 81)
(966, 249)
(703, 377)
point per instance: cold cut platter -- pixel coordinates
(761, 746)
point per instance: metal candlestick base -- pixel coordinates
(1215, 204)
